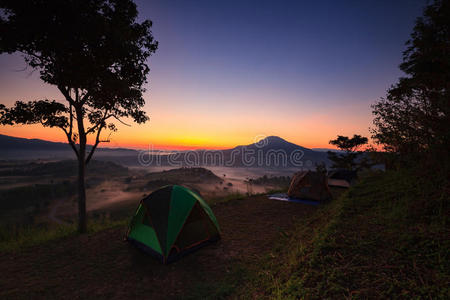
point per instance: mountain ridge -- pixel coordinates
(11, 142)
(271, 142)
(272, 149)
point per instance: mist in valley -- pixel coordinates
(40, 191)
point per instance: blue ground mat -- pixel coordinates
(285, 197)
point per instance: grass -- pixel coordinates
(18, 238)
(219, 289)
(222, 199)
(15, 238)
(239, 196)
(386, 237)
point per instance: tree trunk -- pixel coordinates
(82, 224)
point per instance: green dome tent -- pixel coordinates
(171, 222)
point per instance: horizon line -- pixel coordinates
(162, 147)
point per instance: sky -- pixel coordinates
(227, 72)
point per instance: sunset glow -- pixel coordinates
(215, 91)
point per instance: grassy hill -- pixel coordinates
(387, 237)
(101, 265)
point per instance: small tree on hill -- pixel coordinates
(95, 53)
(350, 147)
(321, 168)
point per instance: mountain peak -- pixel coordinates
(275, 143)
(274, 139)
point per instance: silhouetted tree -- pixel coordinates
(95, 53)
(350, 146)
(414, 116)
(321, 168)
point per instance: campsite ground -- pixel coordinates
(103, 265)
(386, 237)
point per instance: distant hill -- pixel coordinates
(273, 152)
(273, 143)
(22, 148)
(326, 150)
(10, 143)
(181, 176)
(63, 168)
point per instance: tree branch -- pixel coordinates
(66, 94)
(83, 99)
(70, 121)
(93, 128)
(71, 143)
(97, 141)
(77, 96)
(121, 121)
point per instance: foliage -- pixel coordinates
(350, 146)
(321, 168)
(95, 52)
(282, 181)
(414, 116)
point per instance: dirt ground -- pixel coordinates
(102, 265)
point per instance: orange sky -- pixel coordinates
(181, 130)
(216, 84)
(202, 118)
(184, 116)
(190, 119)
(224, 76)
